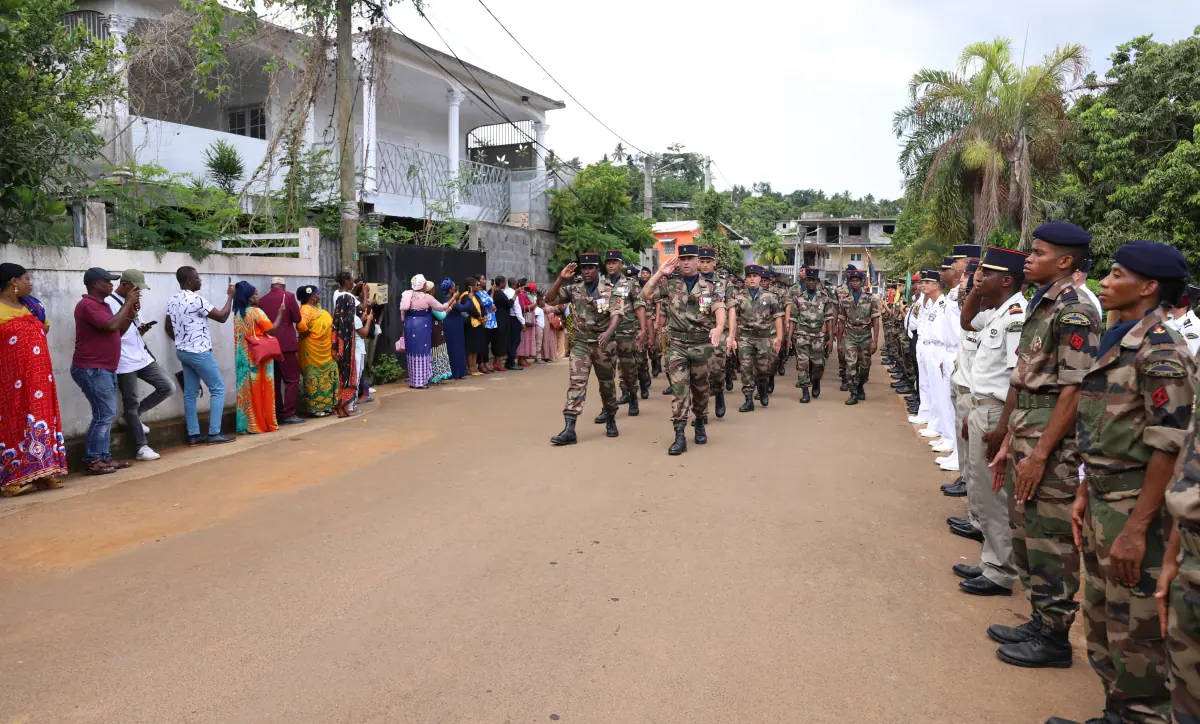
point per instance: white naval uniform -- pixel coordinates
(943, 344)
(925, 410)
(1188, 327)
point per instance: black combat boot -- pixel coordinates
(862, 393)
(701, 434)
(770, 386)
(667, 391)
(844, 386)
(1050, 649)
(763, 393)
(567, 436)
(748, 405)
(646, 390)
(655, 367)
(679, 447)
(633, 408)
(816, 388)
(719, 403)
(1001, 634)
(728, 382)
(805, 398)
(624, 398)
(610, 428)
(853, 399)
(602, 418)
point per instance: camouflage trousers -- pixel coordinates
(810, 357)
(688, 366)
(716, 366)
(1183, 642)
(586, 356)
(757, 356)
(1121, 624)
(841, 351)
(631, 369)
(856, 346)
(1043, 544)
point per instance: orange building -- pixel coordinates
(669, 235)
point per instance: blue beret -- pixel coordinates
(1152, 259)
(1062, 233)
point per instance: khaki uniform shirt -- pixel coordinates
(592, 310)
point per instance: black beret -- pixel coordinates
(646, 269)
(707, 252)
(967, 251)
(1152, 259)
(754, 269)
(589, 258)
(1006, 260)
(853, 273)
(811, 273)
(614, 255)
(688, 250)
(1062, 233)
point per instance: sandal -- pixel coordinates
(49, 484)
(99, 467)
(118, 464)
(14, 489)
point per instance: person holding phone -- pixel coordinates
(137, 364)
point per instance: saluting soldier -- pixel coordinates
(1039, 461)
(596, 310)
(1134, 406)
(756, 323)
(695, 311)
(716, 364)
(629, 333)
(811, 313)
(858, 333)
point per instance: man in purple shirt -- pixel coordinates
(94, 367)
(287, 370)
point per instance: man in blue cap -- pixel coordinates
(1038, 461)
(1134, 407)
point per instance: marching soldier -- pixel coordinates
(1134, 405)
(1038, 463)
(596, 309)
(812, 316)
(695, 311)
(756, 329)
(858, 333)
(716, 364)
(630, 333)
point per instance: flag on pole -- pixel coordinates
(870, 272)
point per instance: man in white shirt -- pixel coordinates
(517, 325)
(943, 336)
(1079, 277)
(998, 294)
(1183, 320)
(959, 385)
(137, 364)
(187, 324)
(926, 415)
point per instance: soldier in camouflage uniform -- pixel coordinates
(1134, 406)
(756, 323)
(732, 361)
(648, 357)
(1058, 345)
(811, 313)
(629, 334)
(716, 364)
(695, 309)
(858, 333)
(597, 306)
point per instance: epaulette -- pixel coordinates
(1014, 308)
(1160, 334)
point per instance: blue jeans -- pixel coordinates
(202, 366)
(100, 389)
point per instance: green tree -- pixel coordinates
(712, 209)
(54, 81)
(1134, 167)
(224, 164)
(596, 214)
(986, 132)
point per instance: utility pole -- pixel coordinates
(708, 173)
(648, 189)
(346, 85)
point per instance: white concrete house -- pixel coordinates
(417, 125)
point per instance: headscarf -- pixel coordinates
(428, 287)
(445, 285)
(418, 282)
(304, 293)
(242, 291)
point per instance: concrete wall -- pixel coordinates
(514, 251)
(57, 275)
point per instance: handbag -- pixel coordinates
(264, 349)
(400, 344)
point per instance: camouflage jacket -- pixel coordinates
(857, 316)
(726, 287)
(1183, 501)
(1058, 345)
(756, 315)
(693, 314)
(592, 313)
(809, 316)
(630, 289)
(1136, 398)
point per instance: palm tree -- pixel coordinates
(619, 153)
(983, 133)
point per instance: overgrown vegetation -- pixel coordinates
(386, 369)
(594, 214)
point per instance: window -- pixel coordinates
(856, 257)
(854, 231)
(889, 228)
(669, 248)
(250, 122)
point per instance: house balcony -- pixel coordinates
(416, 183)
(179, 148)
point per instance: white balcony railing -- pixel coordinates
(426, 176)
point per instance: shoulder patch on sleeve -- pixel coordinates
(1014, 327)
(1077, 318)
(1164, 368)
(1014, 308)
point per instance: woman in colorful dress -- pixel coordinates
(32, 454)
(527, 350)
(416, 312)
(439, 352)
(318, 370)
(345, 331)
(255, 383)
(488, 322)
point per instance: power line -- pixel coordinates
(560, 85)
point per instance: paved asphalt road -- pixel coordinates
(438, 561)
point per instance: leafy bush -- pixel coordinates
(224, 165)
(386, 369)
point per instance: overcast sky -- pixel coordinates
(800, 94)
